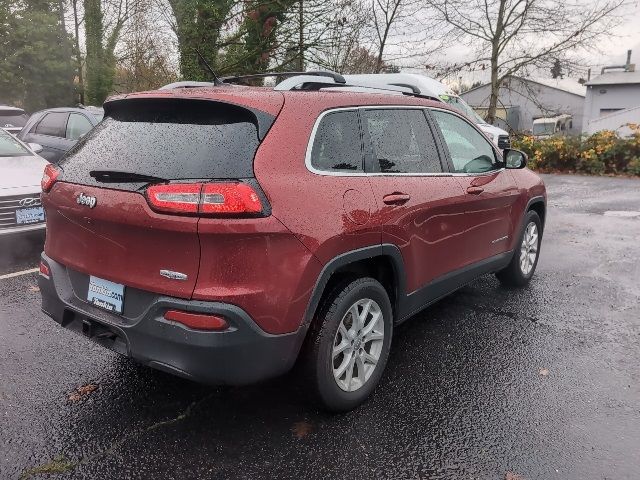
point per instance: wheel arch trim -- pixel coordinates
(533, 201)
(332, 266)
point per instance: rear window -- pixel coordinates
(168, 139)
(13, 118)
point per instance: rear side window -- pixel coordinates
(53, 124)
(77, 126)
(337, 145)
(170, 139)
(402, 141)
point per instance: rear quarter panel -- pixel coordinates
(258, 265)
(328, 215)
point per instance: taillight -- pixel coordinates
(49, 177)
(197, 321)
(175, 197)
(217, 198)
(229, 198)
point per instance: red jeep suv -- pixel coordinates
(223, 232)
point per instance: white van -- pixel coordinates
(552, 126)
(433, 88)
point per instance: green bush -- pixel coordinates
(633, 167)
(592, 165)
(601, 153)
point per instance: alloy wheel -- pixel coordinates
(357, 345)
(529, 248)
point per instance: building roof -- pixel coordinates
(564, 84)
(615, 78)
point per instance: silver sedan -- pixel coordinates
(21, 170)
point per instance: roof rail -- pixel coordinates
(413, 88)
(337, 78)
(187, 84)
(314, 80)
(307, 82)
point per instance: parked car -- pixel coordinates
(58, 129)
(223, 233)
(438, 90)
(12, 119)
(21, 168)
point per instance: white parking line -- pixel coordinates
(17, 274)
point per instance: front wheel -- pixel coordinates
(349, 344)
(525, 259)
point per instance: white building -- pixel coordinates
(613, 99)
(521, 100)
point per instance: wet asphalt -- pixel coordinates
(489, 383)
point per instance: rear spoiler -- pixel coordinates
(150, 107)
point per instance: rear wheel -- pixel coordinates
(525, 259)
(349, 344)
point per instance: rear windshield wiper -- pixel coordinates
(118, 176)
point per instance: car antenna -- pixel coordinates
(216, 80)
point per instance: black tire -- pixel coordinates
(318, 361)
(513, 275)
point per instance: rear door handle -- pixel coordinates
(475, 190)
(396, 198)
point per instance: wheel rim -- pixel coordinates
(357, 345)
(529, 248)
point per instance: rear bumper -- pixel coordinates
(242, 354)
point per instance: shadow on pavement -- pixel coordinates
(20, 251)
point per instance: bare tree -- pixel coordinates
(342, 38)
(144, 53)
(404, 32)
(385, 14)
(510, 35)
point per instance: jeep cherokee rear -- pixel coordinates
(209, 232)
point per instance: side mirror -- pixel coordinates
(514, 159)
(35, 147)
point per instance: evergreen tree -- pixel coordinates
(556, 69)
(36, 67)
(198, 26)
(101, 43)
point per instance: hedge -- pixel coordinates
(603, 152)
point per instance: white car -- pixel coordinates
(12, 119)
(433, 88)
(21, 170)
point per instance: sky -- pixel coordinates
(612, 50)
(625, 37)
